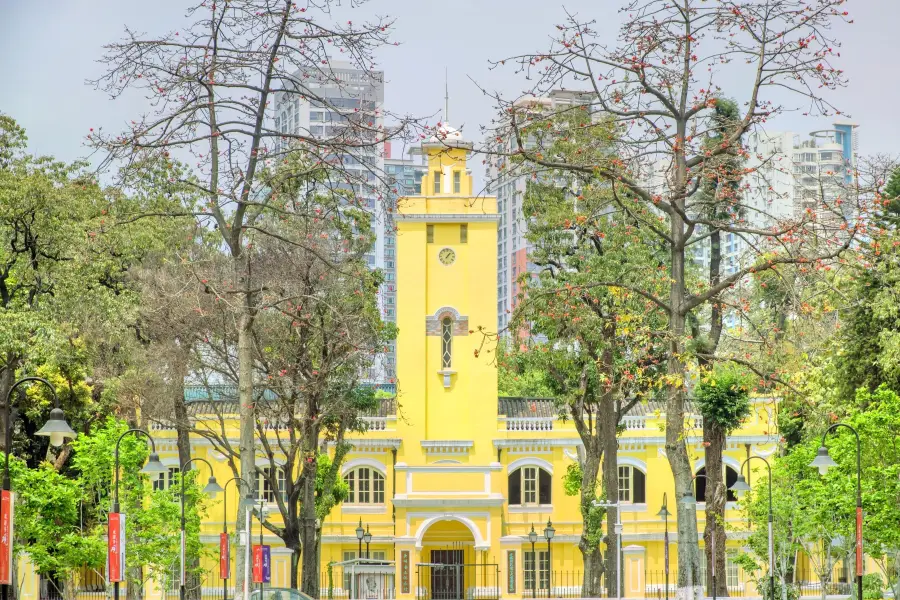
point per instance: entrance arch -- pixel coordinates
(451, 531)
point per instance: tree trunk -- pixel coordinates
(7, 378)
(592, 529)
(183, 442)
(610, 442)
(296, 553)
(308, 540)
(676, 447)
(716, 496)
(247, 409)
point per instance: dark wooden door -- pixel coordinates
(447, 581)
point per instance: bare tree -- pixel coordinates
(659, 86)
(211, 86)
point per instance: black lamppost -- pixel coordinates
(153, 467)
(212, 488)
(248, 500)
(360, 533)
(367, 538)
(532, 537)
(687, 500)
(549, 532)
(664, 515)
(55, 428)
(824, 462)
(740, 486)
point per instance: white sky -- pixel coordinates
(49, 48)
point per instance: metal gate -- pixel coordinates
(448, 578)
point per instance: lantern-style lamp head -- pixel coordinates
(154, 466)
(212, 487)
(823, 460)
(740, 487)
(56, 428)
(549, 532)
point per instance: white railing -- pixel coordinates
(376, 423)
(632, 423)
(474, 593)
(529, 423)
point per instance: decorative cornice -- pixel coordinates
(447, 446)
(446, 218)
(445, 502)
(372, 443)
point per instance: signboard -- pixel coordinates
(7, 502)
(511, 571)
(404, 571)
(859, 553)
(224, 556)
(257, 564)
(262, 564)
(115, 556)
(266, 564)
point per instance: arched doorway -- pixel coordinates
(449, 567)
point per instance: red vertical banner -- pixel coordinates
(115, 550)
(859, 555)
(257, 564)
(6, 536)
(224, 556)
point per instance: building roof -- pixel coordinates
(223, 399)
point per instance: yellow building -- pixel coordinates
(451, 474)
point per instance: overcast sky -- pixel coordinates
(49, 48)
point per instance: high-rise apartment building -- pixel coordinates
(404, 175)
(331, 99)
(509, 187)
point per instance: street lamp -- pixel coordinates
(55, 428)
(153, 467)
(664, 515)
(248, 500)
(549, 532)
(532, 537)
(689, 500)
(740, 486)
(360, 533)
(211, 489)
(367, 538)
(823, 462)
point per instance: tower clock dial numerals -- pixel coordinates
(447, 256)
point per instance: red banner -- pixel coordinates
(257, 564)
(6, 536)
(859, 554)
(115, 558)
(224, 556)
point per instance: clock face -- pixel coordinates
(447, 256)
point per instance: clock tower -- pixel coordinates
(446, 311)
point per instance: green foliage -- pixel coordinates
(572, 479)
(723, 395)
(328, 479)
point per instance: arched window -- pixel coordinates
(529, 486)
(700, 485)
(632, 485)
(446, 342)
(366, 486)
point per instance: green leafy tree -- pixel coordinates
(599, 348)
